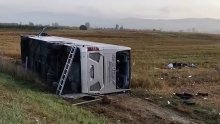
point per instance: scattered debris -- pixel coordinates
(205, 98)
(187, 97)
(202, 94)
(168, 102)
(189, 102)
(81, 103)
(147, 98)
(118, 121)
(190, 76)
(176, 65)
(192, 65)
(180, 65)
(188, 94)
(170, 65)
(37, 121)
(173, 77)
(184, 95)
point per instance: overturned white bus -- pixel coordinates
(77, 66)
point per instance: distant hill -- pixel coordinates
(190, 25)
(207, 25)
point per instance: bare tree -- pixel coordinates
(31, 24)
(121, 28)
(55, 24)
(87, 24)
(116, 27)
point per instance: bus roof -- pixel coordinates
(70, 42)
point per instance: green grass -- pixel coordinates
(23, 103)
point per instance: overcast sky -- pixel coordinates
(148, 9)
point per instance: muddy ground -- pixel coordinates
(125, 108)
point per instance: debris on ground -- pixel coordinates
(148, 99)
(180, 65)
(184, 95)
(202, 94)
(88, 99)
(192, 65)
(205, 98)
(86, 102)
(190, 76)
(189, 102)
(170, 65)
(188, 98)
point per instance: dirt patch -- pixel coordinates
(127, 109)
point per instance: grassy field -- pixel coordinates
(23, 103)
(151, 52)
